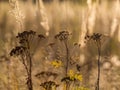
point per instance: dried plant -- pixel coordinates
(83, 29)
(46, 75)
(17, 13)
(47, 84)
(88, 20)
(114, 25)
(65, 55)
(91, 17)
(96, 37)
(43, 16)
(23, 51)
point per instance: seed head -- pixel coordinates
(64, 35)
(19, 50)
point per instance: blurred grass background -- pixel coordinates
(79, 17)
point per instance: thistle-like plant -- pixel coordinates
(25, 50)
(96, 37)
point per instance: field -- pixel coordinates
(60, 45)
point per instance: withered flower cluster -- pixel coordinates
(68, 54)
(19, 50)
(24, 50)
(48, 85)
(95, 37)
(41, 36)
(46, 74)
(25, 38)
(63, 35)
(26, 34)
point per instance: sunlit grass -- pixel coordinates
(79, 19)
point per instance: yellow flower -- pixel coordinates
(71, 73)
(56, 63)
(78, 77)
(73, 76)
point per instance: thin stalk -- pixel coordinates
(99, 57)
(29, 68)
(30, 74)
(67, 63)
(67, 58)
(23, 62)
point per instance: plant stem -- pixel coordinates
(99, 57)
(67, 63)
(29, 72)
(29, 57)
(30, 75)
(67, 58)
(30, 69)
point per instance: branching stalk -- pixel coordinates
(29, 82)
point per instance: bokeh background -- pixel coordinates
(80, 17)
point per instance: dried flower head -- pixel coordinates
(25, 35)
(19, 50)
(63, 35)
(25, 51)
(46, 74)
(27, 38)
(95, 37)
(48, 85)
(41, 36)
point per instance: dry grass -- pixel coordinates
(79, 19)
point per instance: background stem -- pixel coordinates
(99, 57)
